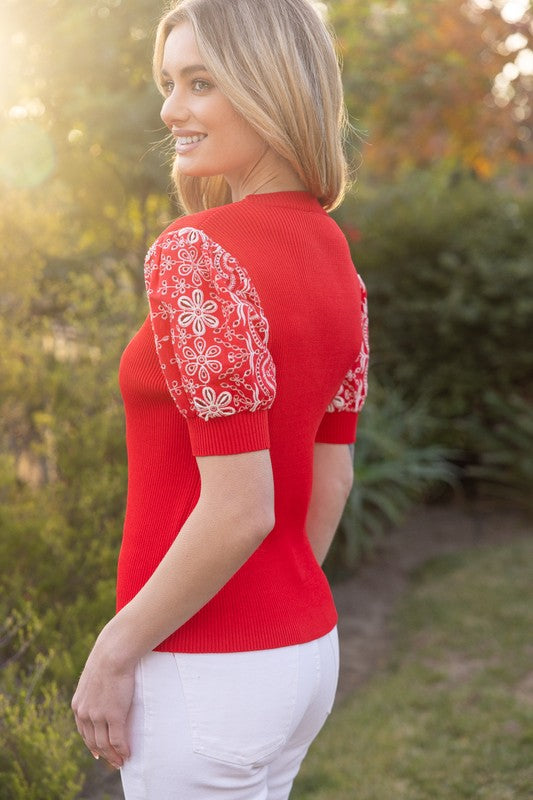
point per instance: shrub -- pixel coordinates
(41, 753)
(394, 469)
(505, 465)
(449, 268)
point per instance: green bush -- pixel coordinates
(41, 754)
(394, 469)
(449, 267)
(60, 532)
(505, 465)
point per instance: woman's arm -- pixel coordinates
(332, 483)
(234, 513)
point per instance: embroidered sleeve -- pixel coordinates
(211, 337)
(354, 387)
(352, 393)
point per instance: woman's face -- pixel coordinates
(211, 137)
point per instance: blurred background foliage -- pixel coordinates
(440, 222)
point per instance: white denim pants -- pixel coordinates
(227, 725)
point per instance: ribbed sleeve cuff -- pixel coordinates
(243, 432)
(338, 427)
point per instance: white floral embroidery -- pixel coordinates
(354, 388)
(210, 329)
(202, 360)
(198, 313)
(213, 406)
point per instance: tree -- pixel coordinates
(420, 78)
(82, 116)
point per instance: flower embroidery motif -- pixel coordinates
(198, 313)
(354, 388)
(202, 360)
(210, 329)
(212, 405)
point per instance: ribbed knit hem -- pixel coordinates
(243, 432)
(338, 427)
(232, 639)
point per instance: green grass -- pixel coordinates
(452, 716)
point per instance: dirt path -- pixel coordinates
(366, 601)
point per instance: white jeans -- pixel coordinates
(227, 725)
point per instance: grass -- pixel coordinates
(451, 717)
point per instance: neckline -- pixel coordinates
(293, 197)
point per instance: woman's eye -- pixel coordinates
(200, 86)
(167, 87)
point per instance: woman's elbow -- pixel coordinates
(252, 522)
(347, 484)
(346, 475)
(239, 491)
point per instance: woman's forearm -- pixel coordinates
(332, 482)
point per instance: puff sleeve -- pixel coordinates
(211, 337)
(339, 424)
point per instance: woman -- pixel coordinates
(241, 393)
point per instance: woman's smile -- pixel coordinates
(187, 141)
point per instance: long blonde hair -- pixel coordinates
(276, 62)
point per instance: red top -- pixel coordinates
(256, 338)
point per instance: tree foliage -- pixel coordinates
(420, 80)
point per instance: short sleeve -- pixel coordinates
(339, 423)
(211, 337)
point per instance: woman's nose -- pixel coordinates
(173, 112)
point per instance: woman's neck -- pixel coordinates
(271, 173)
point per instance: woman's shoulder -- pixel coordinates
(210, 238)
(217, 233)
(202, 221)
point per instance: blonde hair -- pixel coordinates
(275, 61)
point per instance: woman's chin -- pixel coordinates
(185, 166)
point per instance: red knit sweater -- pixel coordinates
(256, 339)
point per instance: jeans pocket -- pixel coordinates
(240, 706)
